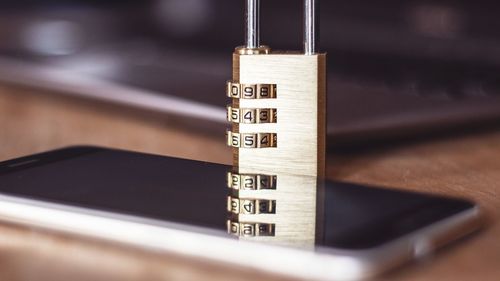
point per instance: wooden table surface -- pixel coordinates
(31, 121)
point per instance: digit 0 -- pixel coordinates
(233, 90)
(233, 227)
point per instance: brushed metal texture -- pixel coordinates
(300, 103)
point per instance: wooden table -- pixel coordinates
(465, 166)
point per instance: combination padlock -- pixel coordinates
(282, 209)
(278, 103)
(278, 138)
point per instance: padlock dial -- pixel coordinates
(252, 140)
(251, 91)
(252, 115)
(250, 181)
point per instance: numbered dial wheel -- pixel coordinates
(250, 206)
(251, 91)
(250, 181)
(247, 229)
(251, 115)
(252, 140)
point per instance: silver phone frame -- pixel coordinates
(204, 243)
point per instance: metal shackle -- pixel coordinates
(253, 25)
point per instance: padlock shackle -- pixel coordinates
(310, 22)
(253, 24)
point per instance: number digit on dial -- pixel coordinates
(251, 91)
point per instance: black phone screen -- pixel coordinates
(195, 193)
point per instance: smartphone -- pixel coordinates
(321, 230)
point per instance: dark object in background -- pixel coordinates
(396, 68)
(356, 231)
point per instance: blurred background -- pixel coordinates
(397, 69)
(149, 75)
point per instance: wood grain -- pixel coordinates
(30, 122)
(465, 167)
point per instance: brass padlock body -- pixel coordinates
(300, 104)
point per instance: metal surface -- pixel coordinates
(300, 104)
(310, 20)
(253, 24)
(292, 88)
(296, 215)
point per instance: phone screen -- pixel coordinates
(195, 193)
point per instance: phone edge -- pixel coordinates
(204, 243)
